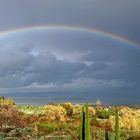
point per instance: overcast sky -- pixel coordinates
(70, 60)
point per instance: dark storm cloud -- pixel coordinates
(35, 62)
(20, 68)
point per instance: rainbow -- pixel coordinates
(13, 32)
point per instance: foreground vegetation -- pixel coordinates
(64, 122)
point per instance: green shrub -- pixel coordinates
(95, 120)
(2, 97)
(103, 114)
(2, 136)
(26, 131)
(49, 128)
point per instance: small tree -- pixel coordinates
(85, 124)
(2, 97)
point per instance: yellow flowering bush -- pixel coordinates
(55, 112)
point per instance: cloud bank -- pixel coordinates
(65, 61)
